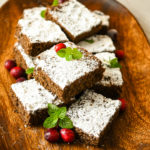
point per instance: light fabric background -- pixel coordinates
(140, 9)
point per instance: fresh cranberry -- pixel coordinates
(123, 104)
(17, 72)
(52, 135)
(59, 46)
(9, 64)
(119, 54)
(67, 135)
(113, 34)
(21, 79)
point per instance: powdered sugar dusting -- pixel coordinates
(93, 112)
(75, 17)
(63, 72)
(101, 43)
(28, 59)
(111, 76)
(104, 18)
(37, 29)
(34, 12)
(33, 96)
(105, 57)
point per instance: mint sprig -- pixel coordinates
(114, 63)
(69, 53)
(89, 41)
(57, 117)
(43, 13)
(55, 3)
(29, 70)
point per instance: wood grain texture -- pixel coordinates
(131, 130)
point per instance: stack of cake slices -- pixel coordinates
(61, 82)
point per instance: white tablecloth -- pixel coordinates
(140, 9)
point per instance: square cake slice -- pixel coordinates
(37, 34)
(92, 115)
(65, 78)
(98, 44)
(75, 19)
(31, 101)
(22, 59)
(111, 83)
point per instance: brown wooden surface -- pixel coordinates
(132, 128)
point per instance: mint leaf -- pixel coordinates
(29, 70)
(62, 112)
(57, 117)
(61, 53)
(52, 109)
(66, 123)
(114, 63)
(50, 122)
(43, 13)
(69, 53)
(76, 54)
(89, 41)
(68, 57)
(55, 3)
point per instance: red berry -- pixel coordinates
(9, 64)
(52, 135)
(59, 46)
(119, 54)
(67, 135)
(21, 79)
(17, 72)
(112, 33)
(123, 104)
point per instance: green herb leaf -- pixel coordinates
(43, 13)
(57, 115)
(76, 54)
(55, 3)
(114, 63)
(52, 109)
(50, 122)
(66, 123)
(61, 53)
(68, 57)
(29, 70)
(89, 41)
(69, 53)
(62, 112)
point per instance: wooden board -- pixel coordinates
(132, 128)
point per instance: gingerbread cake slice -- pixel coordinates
(31, 101)
(105, 20)
(67, 78)
(98, 44)
(22, 59)
(77, 21)
(111, 83)
(37, 34)
(92, 116)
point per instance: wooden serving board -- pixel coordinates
(131, 130)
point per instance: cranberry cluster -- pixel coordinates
(17, 72)
(53, 135)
